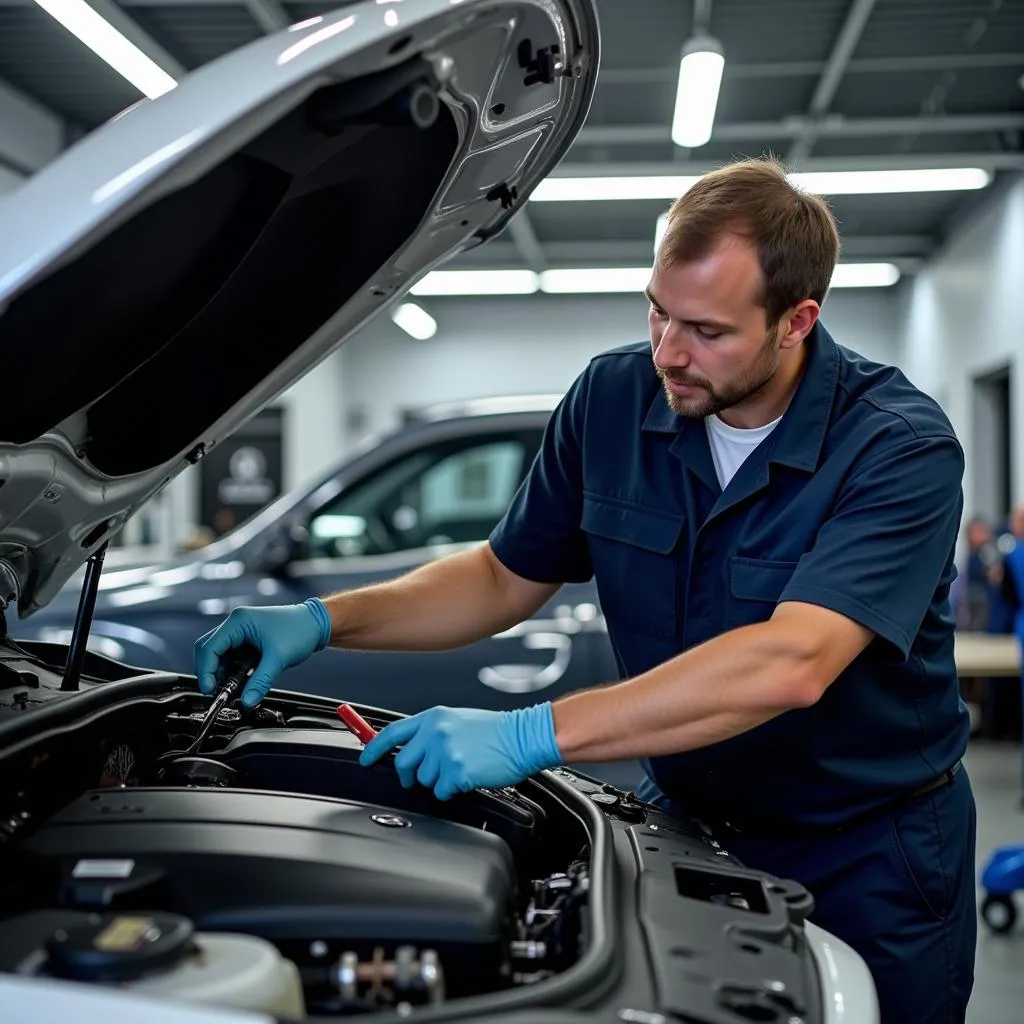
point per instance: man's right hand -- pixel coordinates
(285, 635)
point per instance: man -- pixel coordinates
(771, 522)
(972, 604)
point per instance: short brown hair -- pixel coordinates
(795, 233)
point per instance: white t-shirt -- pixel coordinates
(731, 445)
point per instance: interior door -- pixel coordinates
(424, 504)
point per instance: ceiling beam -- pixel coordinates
(824, 92)
(268, 14)
(835, 127)
(795, 68)
(908, 161)
(637, 252)
(133, 33)
(31, 134)
(15, 166)
(939, 62)
(525, 241)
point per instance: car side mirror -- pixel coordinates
(285, 543)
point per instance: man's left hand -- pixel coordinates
(454, 750)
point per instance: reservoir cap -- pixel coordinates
(119, 947)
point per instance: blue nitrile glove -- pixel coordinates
(284, 634)
(455, 750)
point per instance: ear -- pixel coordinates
(797, 323)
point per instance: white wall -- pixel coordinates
(503, 346)
(314, 421)
(961, 317)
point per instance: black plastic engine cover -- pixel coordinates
(288, 868)
(324, 761)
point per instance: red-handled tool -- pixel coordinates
(355, 721)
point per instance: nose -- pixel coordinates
(670, 350)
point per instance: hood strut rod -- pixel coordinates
(83, 619)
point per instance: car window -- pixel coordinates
(448, 494)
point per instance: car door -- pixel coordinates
(443, 496)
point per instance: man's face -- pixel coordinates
(710, 339)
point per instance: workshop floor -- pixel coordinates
(999, 978)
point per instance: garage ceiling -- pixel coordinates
(825, 84)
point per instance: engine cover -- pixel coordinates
(296, 870)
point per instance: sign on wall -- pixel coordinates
(243, 474)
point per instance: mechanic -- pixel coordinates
(771, 522)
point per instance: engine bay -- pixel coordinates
(358, 895)
(158, 842)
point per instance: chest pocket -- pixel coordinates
(755, 586)
(636, 564)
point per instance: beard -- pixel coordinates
(709, 400)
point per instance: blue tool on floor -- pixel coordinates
(1001, 877)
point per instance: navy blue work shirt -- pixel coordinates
(853, 502)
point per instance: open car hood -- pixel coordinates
(180, 267)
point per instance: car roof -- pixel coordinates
(493, 406)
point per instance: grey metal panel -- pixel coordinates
(900, 94)
(909, 28)
(199, 34)
(46, 62)
(754, 30)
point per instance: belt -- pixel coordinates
(945, 779)
(776, 830)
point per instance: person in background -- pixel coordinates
(979, 606)
(975, 593)
(1013, 592)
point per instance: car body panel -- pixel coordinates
(284, 190)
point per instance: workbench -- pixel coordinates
(984, 655)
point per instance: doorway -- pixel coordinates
(991, 445)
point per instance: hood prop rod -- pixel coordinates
(83, 619)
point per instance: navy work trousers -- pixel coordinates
(899, 889)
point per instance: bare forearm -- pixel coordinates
(710, 693)
(445, 604)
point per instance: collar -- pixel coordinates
(797, 440)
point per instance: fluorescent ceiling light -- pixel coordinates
(609, 280)
(107, 43)
(414, 320)
(671, 186)
(595, 279)
(700, 78)
(552, 190)
(864, 275)
(477, 282)
(937, 179)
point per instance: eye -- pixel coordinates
(708, 335)
(659, 313)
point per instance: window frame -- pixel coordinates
(529, 438)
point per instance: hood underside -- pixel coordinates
(179, 268)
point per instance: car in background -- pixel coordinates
(438, 485)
